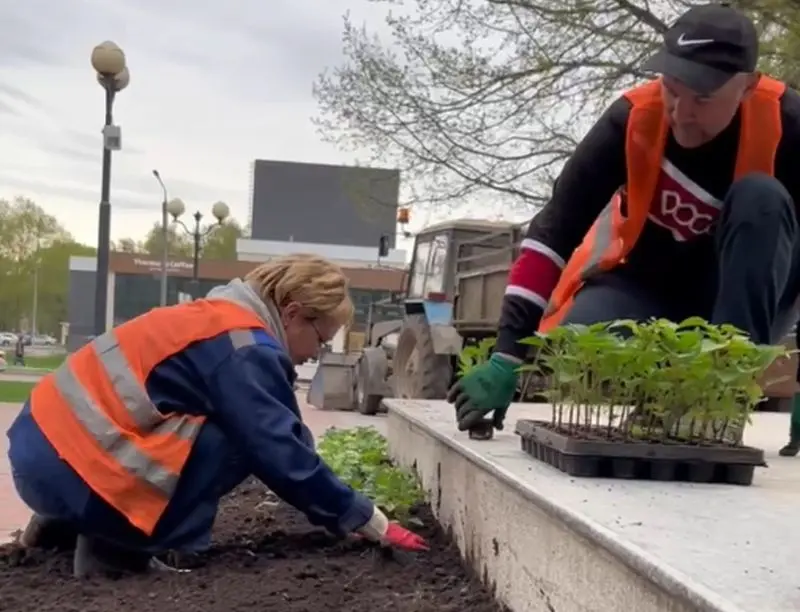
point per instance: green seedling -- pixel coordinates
(475, 354)
(360, 457)
(655, 381)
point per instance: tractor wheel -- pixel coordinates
(419, 373)
(372, 364)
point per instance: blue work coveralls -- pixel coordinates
(254, 427)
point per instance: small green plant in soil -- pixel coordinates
(690, 381)
(474, 354)
(360, 457)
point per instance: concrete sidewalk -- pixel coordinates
(17, 377)
(14, 514)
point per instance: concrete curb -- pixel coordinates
(685, 589)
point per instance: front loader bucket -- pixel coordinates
(334, 384)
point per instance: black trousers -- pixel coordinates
(757, 245)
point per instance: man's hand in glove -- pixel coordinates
(486, 388)
(388, 533)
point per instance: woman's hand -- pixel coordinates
(389, 533)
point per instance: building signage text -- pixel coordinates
(153, 264)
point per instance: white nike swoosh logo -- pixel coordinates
(688, 42)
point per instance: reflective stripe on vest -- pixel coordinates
(96, 412)
(613, 235)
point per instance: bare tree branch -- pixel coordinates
(477, 97)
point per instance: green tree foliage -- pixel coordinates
(179, 244)
(217, 242)
(477, 97)
(125, 245)
(220, 244)
(53, 282)
(779, 20)
(34, 251)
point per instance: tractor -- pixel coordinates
(456, 267)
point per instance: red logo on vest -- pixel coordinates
(682, 206)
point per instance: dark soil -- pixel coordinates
(266, 556)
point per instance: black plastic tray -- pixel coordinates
(639, 460)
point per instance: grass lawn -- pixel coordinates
(44, 362)
(35, 363)
(15, 392)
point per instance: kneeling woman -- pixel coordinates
(130, 444)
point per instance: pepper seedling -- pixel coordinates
(474, 354)
(360, 457)
(690, 381)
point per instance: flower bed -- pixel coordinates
(266, 556)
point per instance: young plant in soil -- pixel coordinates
(474, 355)
(692, 381)
(360, 457)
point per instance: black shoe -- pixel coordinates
(48, 533)
(97, 557)
(791, 449)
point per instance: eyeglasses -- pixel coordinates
(313, 323)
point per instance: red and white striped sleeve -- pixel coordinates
(587, 182)
(532, 279)
(535, 273)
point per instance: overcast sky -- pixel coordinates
(214, 85)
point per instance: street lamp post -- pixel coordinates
(112, 74)
(164, 238)
(219, 211)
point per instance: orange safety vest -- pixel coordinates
(96, 413)
(613, 235)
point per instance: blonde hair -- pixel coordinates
(313, 282)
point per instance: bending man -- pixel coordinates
(680, 201)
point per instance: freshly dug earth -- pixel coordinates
(266, 556)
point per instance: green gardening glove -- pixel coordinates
(486, 388)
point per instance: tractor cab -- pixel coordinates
(411, 353)
(417, 356)
(443, 250)
(441, 253)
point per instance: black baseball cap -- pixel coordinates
(706, 47)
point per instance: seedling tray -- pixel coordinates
(582, 456)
